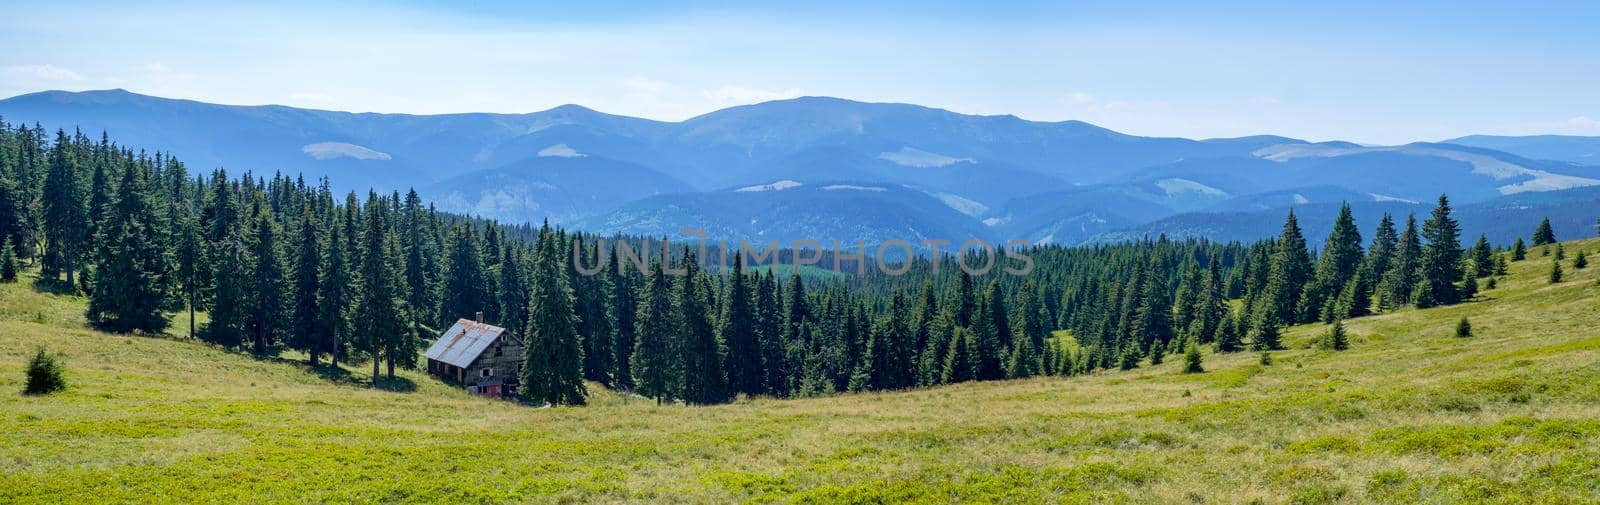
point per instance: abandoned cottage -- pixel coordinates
(484, 358)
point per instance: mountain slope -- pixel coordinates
(1410, 414)
(1572, 149)
(1044, 181)
(561, 185)
(1572, 213)
(789, 210)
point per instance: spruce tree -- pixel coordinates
(513, 292)
(267, 319)
(334, 296)
(988, 350)
(1229, 335)
(66, 215)
(1482, 257)
(44, 374)
(1441, 258)
(1334, 338)
(1341, 257)
(1264, 335)
(1400, 281)
(1579, 261)
(624, 306)
(1555, 271)
(1544, 234)
(1384, 242)
(1192, 360)
(1290, 269)
(552, 370)
(229, 302)
(738, 331)
(1519, 252)
(965, 300)
(132, 264)
(466, 285)
(1211, 306)
(1157, 354)
(590, 293)
(1023, 361)
(774, 356)
(699, 352)
(1130, 357)
(1152, 324)
(1463, 328)
(8, 261)
(960, 362)
(306, 332)
(380, 316)
(655, 370)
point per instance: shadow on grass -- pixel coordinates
(343, 376)
(54, 287)
(396, 384)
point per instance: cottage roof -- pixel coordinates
(463, 342)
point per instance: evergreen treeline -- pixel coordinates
(278, 263)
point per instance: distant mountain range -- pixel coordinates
(833, 169)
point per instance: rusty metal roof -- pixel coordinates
(463, 342)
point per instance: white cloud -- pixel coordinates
(46, 72)
(728, 95)
(1584, 122)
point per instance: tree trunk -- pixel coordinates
(333, 354)
(376, 359)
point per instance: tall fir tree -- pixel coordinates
(66, 215)
(466, 285)
(1441, 257)
(699, 352)
(624, 306)
(268, 317)
(552, 370)
(655, 368)
(334, 297)
(738, 331)
(380, 316)
(1482, 257)
(306, 332)
(1341, 257)
(1400, 280)
(128, 284)
(1290, 269)
(1544, 235)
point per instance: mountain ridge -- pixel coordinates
(1001, 175)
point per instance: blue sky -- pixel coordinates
(1381, 72)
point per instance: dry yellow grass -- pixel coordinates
(1410, 414)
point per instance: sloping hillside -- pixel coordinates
(1410, 414)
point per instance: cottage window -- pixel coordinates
(488, 372)
(497, 351)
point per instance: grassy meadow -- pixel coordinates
(1410, 414)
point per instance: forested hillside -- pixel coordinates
(278, 265)
(1409, 413)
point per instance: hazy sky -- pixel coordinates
(1384, 72)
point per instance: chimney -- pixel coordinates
(480, 317)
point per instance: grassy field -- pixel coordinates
(1410, 414)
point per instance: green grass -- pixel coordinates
(1410, 414)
